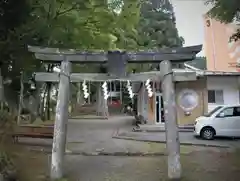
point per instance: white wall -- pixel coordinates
(229, 85)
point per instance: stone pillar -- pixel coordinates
(61, 120)
(172, 136)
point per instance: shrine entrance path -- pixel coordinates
(92, 136)
(95, 135)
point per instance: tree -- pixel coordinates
(13, 15)
(127, 20)
(81, 24)
(226, 12)
(199, 62)
(157, 28)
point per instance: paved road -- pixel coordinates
(91, 135)
(185, 138)
(96, 136)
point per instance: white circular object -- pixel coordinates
(188, 99)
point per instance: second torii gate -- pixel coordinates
(116, 71)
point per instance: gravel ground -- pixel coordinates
(199, 163)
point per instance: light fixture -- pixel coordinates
(129, 87)
(105, 91)
(148, 87)
(85, 90)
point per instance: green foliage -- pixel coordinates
(199, 62)
(127, 21)
(227, 12)
(4, 118)
(80, 24)
(157, 27)
(6, 164)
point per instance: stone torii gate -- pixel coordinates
(116, 62)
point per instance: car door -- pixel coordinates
(236, 114)
(224, 125)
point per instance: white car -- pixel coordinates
(221, 121)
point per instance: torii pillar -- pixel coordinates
(61, 120)
(170, 115)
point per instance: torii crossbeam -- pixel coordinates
(101, 77)
(116, 62)
(75, 56)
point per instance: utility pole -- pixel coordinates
(61, 120)
(171, 128)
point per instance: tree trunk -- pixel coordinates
(20, 104)
(102, 107)
(105, 108)
(37, 102)
(89, 90)
(1, 91)
(42, 102)
(98, 99)
(79, 95)
(33, 106)
(48, 106)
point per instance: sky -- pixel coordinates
(189, 21)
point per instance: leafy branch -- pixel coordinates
(59, 13)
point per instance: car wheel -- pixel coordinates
(207, 133)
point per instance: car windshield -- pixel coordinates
(212, 112)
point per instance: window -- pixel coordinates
(231, 112)
(212, 112)
(236, 111)
(228, 112)
(215, 96)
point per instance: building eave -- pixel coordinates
(220, 73)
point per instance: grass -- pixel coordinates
(201, 165)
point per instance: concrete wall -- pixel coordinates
(229, 85)
(218, 50)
